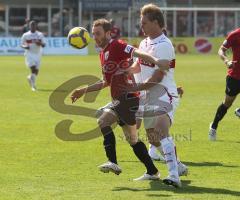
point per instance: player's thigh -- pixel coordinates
(231, 91)
(131, 134)
(107, 119)
(32, 60)
(126, 108)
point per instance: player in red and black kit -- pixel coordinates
(114, 62)
(232, 80)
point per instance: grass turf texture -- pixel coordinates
(35, 164)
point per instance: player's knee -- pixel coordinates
(154, 140)
(160, 133)
(227, 104)
(132, 140)
(102, 122)
(155, 143)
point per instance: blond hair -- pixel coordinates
(153, 12)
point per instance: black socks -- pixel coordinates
(221, 111)
(141, 152)
(109, 143)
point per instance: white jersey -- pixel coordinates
(161, 48)
(29, 39)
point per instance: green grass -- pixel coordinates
(35, 164)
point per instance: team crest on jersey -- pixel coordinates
(106, 55)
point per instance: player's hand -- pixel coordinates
(180, 91)
(25, 47)
(230, 63)
(39, 43)
(77, 94)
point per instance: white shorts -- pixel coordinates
(33, 60)
(153, 106)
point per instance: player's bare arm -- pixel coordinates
(223, 55)
(135, 68)
(154, 80)
(40, 43)
(81, 91)
(162, 64)
(25, 46)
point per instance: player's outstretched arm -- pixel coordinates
(81, 91)
(24, 46)
(40, 43)
(223, 55)
(162, 64)
(134, 68)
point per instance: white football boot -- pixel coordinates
(212, 134)
(33, 87)
(148, 177)
(182, 169)
(237, 112)
(110, 167)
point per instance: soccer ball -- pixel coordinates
(78, 37)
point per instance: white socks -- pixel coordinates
(170, 156)
(33, 79)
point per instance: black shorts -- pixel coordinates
(232, 86)
(126, 107)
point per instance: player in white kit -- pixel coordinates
(33, 41)
(160, 96)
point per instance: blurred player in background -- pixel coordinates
(33, 41)
(232, 80)
(114, 60)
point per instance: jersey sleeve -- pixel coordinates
(42, 38)
(125, 49)
(165, 51)
(230, 40)
(23, 40)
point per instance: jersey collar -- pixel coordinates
(157, 39)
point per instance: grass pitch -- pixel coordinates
(36, 164)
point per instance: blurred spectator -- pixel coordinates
(115, 32)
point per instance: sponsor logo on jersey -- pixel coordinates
(143, 62)
(128, 49)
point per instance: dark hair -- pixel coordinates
(153, 12)
(164, 30)
(104, 23)
(32, 22)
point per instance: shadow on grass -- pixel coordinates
(192, 164)
(207, 164)
(50, 90)
(129, 161)
(186, 189)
